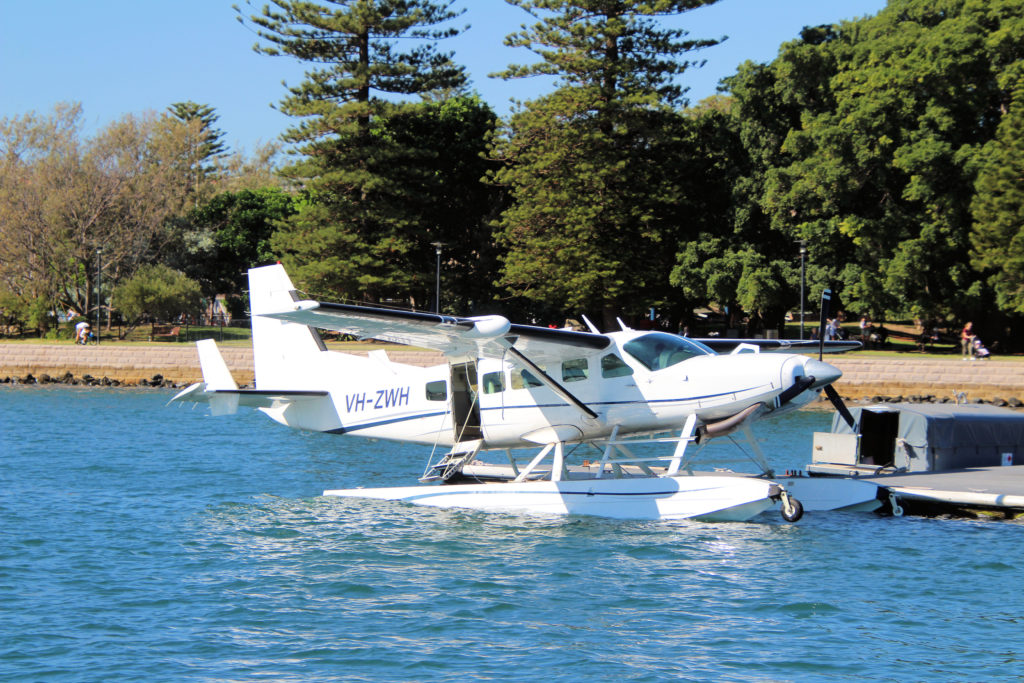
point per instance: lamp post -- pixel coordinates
(437, 284)
(803, 255)
(99, 296)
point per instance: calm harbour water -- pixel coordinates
(144, 542)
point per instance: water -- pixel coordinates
(149, 543)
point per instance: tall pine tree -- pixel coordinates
(355, 234)
(206, 143)
(588, 167)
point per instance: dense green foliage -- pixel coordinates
(358, 233)
(589, 168)
(206, 142)
(427, 189)
(228, 235)
(864, 139)
(998, 236)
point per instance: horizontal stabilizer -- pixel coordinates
(222, 401)
(227, 401)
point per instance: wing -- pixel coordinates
(489, 336)
(781, 345)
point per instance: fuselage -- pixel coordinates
(643, 382)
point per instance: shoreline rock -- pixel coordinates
(88, 380)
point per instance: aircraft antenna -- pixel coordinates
(593, 328)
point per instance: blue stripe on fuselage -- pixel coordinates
(354, 428)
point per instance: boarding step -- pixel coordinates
(452, 463)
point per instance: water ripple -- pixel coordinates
(171, 546)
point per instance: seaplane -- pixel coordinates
(507, 387)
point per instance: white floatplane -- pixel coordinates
(507, 386)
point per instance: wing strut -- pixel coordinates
(550, 383)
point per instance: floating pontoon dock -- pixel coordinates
(997, 489)
(930, 459)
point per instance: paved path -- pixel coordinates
(179, 363)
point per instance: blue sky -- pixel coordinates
(129, 56)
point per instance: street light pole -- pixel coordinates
(803, 255)
(437, 284)
(99, 296)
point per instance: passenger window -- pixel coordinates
(574, 370)
(437, 391)
(524, 379)
(613, 366)
(494, 382)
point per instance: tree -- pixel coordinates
(158, 293)
(733, 259)
(997, 235)
(447, 194)
(206, 142)
(587, 168)
(63, 199)
(354, 235)
(39, 162)
(867, 144)
(243, 170)
(229, 234)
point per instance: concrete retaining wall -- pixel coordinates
(179, 363)
(939, 377)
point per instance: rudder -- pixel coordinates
(282, 350)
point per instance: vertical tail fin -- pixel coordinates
(216, 379)
(215, 371)
(282, 351)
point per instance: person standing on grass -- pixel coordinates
(967, 341)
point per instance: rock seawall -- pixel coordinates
(863, 377)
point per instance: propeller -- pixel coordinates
(826, 300)
(840, 407)
(833, 395)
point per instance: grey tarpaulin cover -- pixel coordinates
(934, 437)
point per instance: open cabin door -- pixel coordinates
(465, 408)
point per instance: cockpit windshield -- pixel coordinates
(659, 350)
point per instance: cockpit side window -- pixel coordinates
(658, 350)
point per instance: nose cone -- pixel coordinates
(823, 373)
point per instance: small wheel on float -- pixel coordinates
(792, 509)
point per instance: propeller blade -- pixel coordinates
(826, 300)
(799, 386)
(841, 408)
